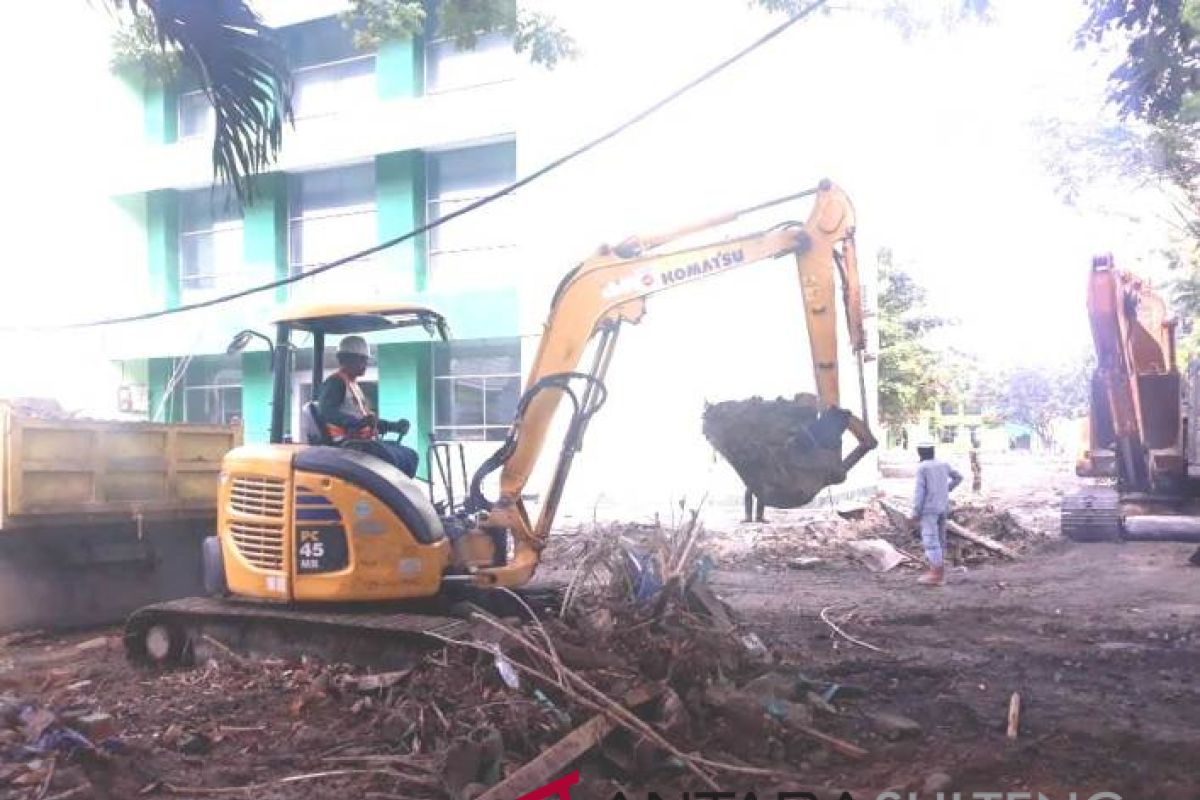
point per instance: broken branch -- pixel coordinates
(978, 538)
(312, 776)
(847, 636)
(1014, 715)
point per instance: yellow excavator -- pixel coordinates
(316, 542)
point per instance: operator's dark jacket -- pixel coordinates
(331, 403)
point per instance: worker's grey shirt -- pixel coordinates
(935, 481)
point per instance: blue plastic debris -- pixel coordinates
(643, 572)
(61, 739)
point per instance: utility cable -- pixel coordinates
(477, 204)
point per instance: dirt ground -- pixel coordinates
(1100, 641)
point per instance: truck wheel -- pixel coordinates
(214, 568)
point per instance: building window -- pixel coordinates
(475, 249)
(210, 240)
(448, 68)
(196, 116)
(973, 408)
(332, 213)
(212, 391)
(325, 89)
(949, 434)
(476, 385)
(949, 408)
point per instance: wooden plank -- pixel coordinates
(902, 522)
(979, 539)
(553, 760)
(1014, 715)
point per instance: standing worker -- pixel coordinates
(931, 503)
(348, 419)
(976, 465)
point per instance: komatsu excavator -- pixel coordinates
(1142, 439)
(308, 533)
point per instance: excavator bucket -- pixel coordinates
(785, 451)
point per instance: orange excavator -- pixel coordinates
(304, 529)
(1140, 439)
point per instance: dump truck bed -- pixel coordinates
(100, 517)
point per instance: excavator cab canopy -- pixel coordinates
(348, 318)
(338, 319)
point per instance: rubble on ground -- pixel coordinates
(647, 678)
(791, 539)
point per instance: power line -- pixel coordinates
(477, 204)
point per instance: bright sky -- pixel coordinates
(933, 138)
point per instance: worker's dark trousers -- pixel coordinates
(753, 514)
(403, 458)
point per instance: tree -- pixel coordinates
(1157, 81)
(245, 73)
(908, 374)
(1038, 396)
(242, 68)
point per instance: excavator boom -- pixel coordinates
(611, 288)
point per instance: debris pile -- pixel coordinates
(980, 533)
(48, 745)
(785, 451)
(646, 678)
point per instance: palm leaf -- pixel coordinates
(244, 72)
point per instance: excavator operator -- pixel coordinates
(349, 420)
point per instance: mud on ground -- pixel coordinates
(1101, 642)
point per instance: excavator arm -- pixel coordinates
(1135, 414)
(611, 288)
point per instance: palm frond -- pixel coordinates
(244, 72)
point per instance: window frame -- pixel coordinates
(219, 389)
(427, 70)
(297, 216)
(217, 275)
(434, 200)
(296, 71)
(210, 117)
(492, 430)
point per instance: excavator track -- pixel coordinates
(391, 636)
(1092, 515)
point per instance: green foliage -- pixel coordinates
(908, 366)
(547, 42)
(1160, 75)
(242, 68)
(377, 21)
(1037, 396)
(1157, 81)
(464, 21)
(136, 51)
